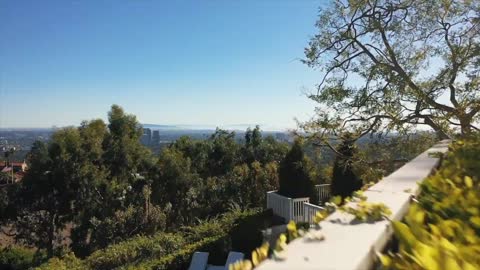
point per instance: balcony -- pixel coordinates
(349, 244)
(297, 209)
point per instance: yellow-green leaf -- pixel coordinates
(404, 234)
(475, 221)
(337, 200)
(385, 260)
(468, 181)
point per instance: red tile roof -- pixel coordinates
(14, 163)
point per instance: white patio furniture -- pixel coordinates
(199, 261)
(231, 259)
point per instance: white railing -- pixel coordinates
(288, 208)
(349, 244)
(279, 204)
(310, 210)
(323, 192)
(298, 209)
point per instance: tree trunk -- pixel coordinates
(465, 126)
(441, 135)
(51, 235)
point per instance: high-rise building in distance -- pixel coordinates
(146, 138)
(155, 137)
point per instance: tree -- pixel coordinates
(196, 150)
(344, 178)
(83, 175)
(295, 173)
(248, 184)
(48, 190)
(124, 154)
(263, 150)
(178, 186)
(113, 162)
(223, 152)
(396, 64)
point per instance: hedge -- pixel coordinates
(19, 258)
(179, 259)
(237, 230)
(442, 230)
(66, 262)
(135, 248)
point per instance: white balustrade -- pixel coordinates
(323, 192)
(288, 208)
(298, 209)
(310, 210)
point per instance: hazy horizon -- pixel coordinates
(232, 127)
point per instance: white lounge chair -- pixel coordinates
(199, 261)
(231, 259)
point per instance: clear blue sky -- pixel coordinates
(201, 62)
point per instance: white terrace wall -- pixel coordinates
(350, 245)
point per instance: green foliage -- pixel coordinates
(96, 186)
(81, 176)
(374, 65)
(175, 260)
(344, 179)
(66, 262)
(178, 185)
(239, 230)
(136, 248)
(248, 184)
(263, 150)
(385, 154)
(20, 258)
(186, 184)
(295, 174)
(442, 231)
(368, 212)
(125, 224)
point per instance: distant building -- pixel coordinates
(281, 136)
(16, 169)
(155, 137)
(146, 138)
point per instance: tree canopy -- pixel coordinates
(393, 65)
(295, 173)
(344, 178)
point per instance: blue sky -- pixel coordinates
(208, 62)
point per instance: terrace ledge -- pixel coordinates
(351, 245)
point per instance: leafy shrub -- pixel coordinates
(67, 262)
(179, 259)
(125, 224)
(173, 250)
(247, 235)
(296, 174)
(17, 258)
(134, 249)
(442, 231)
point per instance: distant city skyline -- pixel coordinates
(171, 128)
(202, 63)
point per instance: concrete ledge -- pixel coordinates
(352, 245)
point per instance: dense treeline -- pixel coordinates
(96, 185)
